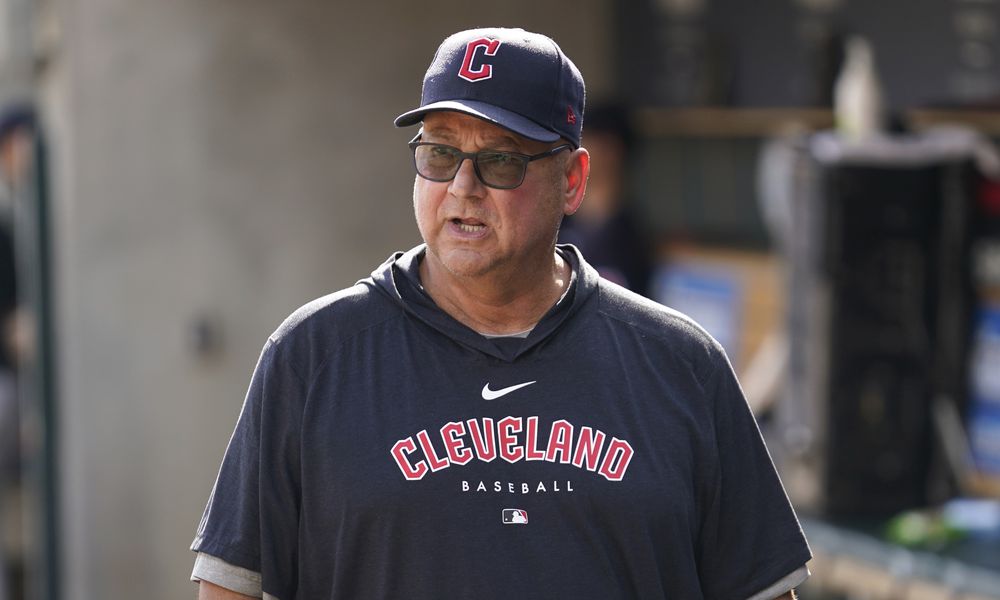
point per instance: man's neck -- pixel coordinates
(497, 304)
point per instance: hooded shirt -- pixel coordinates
(386, 450)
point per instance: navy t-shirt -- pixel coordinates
(385, 450)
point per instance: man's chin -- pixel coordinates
(467, 269)
(464, 263)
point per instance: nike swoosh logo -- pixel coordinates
(489, 394)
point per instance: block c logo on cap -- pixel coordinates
(485, 70)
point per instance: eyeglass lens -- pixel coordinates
(438, 162)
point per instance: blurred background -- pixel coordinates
(814, 180)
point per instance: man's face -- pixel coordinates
(473, 230)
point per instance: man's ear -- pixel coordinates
(577, 172)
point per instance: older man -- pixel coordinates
(485, 417)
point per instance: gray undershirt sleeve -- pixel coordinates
(215, 570)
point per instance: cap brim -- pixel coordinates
(504, 118)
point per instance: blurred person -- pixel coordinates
(17, 129)
(485, 416)
(17, 132)
(16, 123)
(605, 229)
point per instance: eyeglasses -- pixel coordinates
(496, 169)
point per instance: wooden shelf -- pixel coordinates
(987, 122)
(722, 122)
(730, 122)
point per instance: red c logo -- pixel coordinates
(485, 71)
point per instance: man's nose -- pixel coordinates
(466, 182)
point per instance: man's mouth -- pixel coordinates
(469, 225)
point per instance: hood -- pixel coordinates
(399, 279)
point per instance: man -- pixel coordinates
(484, 417)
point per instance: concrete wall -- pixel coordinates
(219, 163)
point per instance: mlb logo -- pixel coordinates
(515, 516)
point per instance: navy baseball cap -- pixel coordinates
(516, 79)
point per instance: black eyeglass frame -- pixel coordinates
(474, 156)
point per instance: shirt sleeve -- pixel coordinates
(251, 520)
(215, 570)
(750, 537)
